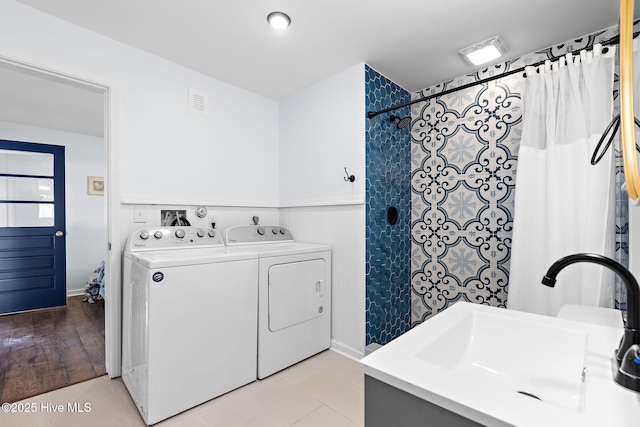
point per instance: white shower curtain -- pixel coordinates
(563, 204)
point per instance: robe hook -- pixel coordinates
(348, 178)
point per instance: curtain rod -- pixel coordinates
(372, 114)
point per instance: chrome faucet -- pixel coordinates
(628, 353)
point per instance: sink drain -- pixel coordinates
(529, 394)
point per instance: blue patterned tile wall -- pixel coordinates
(464, 156)
(388, 171)
(464, 160)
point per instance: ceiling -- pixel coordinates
(412, 42)
(44, 101)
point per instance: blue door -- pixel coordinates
(32, 227)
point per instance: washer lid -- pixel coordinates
(189, 256)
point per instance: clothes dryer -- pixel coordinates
(294, 295)
(189, 319)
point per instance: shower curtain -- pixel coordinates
(563, 204)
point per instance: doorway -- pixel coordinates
(108, 93)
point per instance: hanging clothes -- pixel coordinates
(563, 204)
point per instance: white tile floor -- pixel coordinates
(325, 390)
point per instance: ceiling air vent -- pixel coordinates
(198, 102)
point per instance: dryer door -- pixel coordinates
(297, 293)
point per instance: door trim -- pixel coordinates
(113, 289)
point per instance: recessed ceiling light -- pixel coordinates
(279, 20)
(484, 51)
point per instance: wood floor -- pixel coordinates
(48, 349)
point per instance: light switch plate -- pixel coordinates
(139, 215)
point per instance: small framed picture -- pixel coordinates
(96, 185)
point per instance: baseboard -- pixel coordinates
(74, 292)
(371, 348)
(346, 351)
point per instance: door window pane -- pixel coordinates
(26, 215)
(26, 189)
(26, 163)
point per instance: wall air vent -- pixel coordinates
(198, 102)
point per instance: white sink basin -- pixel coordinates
(507, 354)
(502, 367)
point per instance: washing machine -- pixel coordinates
(189, 319)
(294, 295)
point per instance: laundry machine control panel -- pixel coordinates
(248, 234)
(172, 237)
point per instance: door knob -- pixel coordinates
(59, 233)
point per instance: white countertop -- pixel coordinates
(602, 401)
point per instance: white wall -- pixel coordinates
(166, 153)
(343, 228)
(322, 131)
(251, 154)
(85, 214)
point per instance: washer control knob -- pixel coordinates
(261, 231)
(274, 230)
(144, 235)
(212, 233)
(158, 234)
(282, 231)
(200, 233)
(180, 233)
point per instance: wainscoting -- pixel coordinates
(48, 349)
